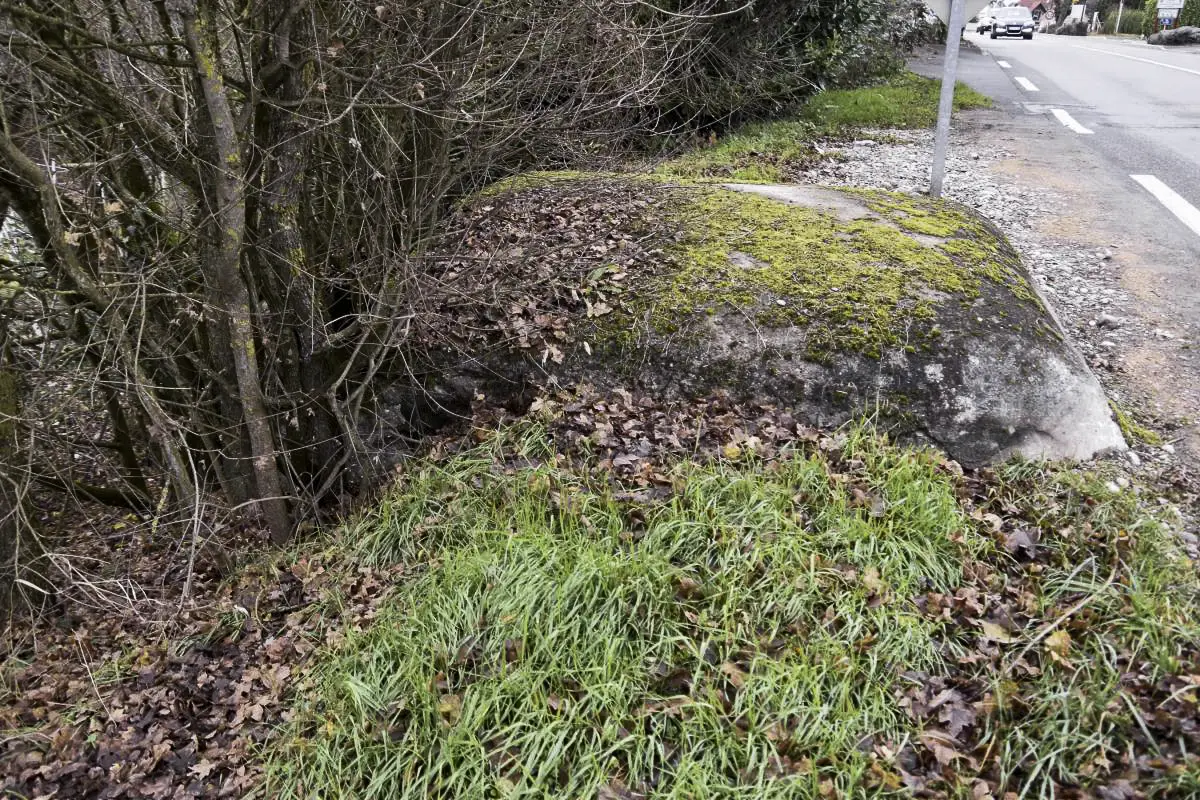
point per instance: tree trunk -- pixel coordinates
(226, 229)
(24, 584)
(297, 291)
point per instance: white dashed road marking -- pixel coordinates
(1136, 58)
(1026, 84)
(1069, 121)
(1004, 65)
(1188, 214)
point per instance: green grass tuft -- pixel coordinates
(772, 152)
(906, 101)
(777, 152)
(1134, 601)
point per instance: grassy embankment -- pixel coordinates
(777, 151)
(832, 620)
(833, 617)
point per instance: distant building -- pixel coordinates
(1037, 7)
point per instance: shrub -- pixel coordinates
(1131, 22)
(364, 126)
(1190, 14)
(1150, 21)
(762, 60)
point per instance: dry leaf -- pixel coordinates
(996, 633)
(1021, 541)
(735, 674)
(981, 791)
(450, 707)
(1058, 645)
(939, 745)
(871, 580)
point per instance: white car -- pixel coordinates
(984, 21)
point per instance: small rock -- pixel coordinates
(1108, 343)
(1159, 333)
(1169, 449)
(1112, 487)
(1109, 322)
(1123, 482)
(1134, 458)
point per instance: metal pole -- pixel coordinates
(1120, 11)
(946, 105)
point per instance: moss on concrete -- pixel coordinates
(855, 286)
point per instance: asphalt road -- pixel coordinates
(1141, 104)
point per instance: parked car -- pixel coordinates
(983, 22)
(1012, 21)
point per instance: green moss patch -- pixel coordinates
(857, 286)
(1133, 430)
(530, 180)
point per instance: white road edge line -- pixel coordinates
(1136, 58)
(1188, 214)
(1069, 121)
(1004, 65)
(1026, 84)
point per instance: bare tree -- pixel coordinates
(224, 200)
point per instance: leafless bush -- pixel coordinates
(223, 202)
